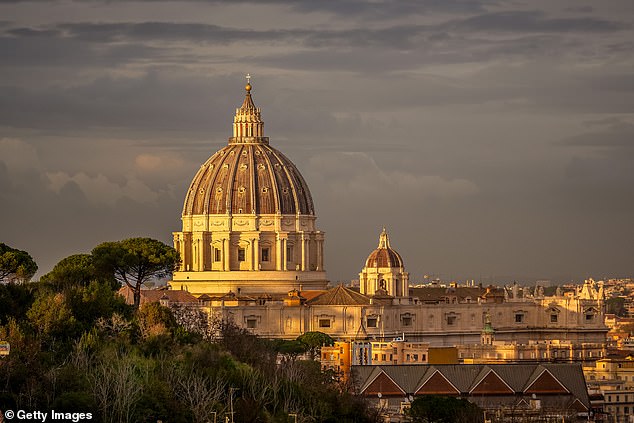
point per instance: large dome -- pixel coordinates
(248, 176)
(249, 223)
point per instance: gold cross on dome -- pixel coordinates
(248, 78)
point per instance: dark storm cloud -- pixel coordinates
(141, 102)
(56, 51)
(397, 36)
(103, 32)
(374, 9)
(535, 21)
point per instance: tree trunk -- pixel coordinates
(137, 297)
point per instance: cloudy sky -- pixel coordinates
(493, 139)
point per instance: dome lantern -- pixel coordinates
(248, 126)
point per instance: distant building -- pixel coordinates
(344, 354)
(251, 252)
(613, 379)
(507, 392)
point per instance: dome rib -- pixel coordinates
(253, 183)
(272, 179)
(219, 186)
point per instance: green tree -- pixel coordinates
(314, 341)
(155, 320)
(15, 265)
(135, 261)
(439, 409)
(75, 270)
(51, 316)
(93, 302)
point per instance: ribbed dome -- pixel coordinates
(384, 255)
(248, 176)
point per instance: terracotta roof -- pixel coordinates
(309, 295)
(466, 377)
(435, 294)
(340, 295)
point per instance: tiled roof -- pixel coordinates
(435, 294)
(340, 295)
(465, 377)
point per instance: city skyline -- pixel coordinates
(491, 140)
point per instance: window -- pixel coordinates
(217, 254)
(406, 321)
(451, 320)
(241, 254)
(407, 357)
(423, 357)
(265, 254)
(626, 410)
(519, 317)
(252, 323)
(372, 322)
(589, 316)
(553, 318)
(324, 323)
(415, 357)
(289, 253)
(382, 357)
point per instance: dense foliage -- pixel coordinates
(135, 261)
(77, 347)
(15, 265)
(440, 409)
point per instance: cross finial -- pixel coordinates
(248, 78)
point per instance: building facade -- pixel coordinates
(251, 252)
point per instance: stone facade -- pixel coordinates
(252, 253)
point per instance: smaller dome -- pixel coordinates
(384, 255)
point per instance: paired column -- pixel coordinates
(284, 256)
(225, 255)
(255, 245)
(304, 251)
(278, 253)
(320, 254)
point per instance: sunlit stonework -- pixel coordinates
(251, 253)
(249, 220)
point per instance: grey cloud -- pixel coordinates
(580, 9)
(618, 135)
(101, 32)
(373, 10)
(535, 21)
